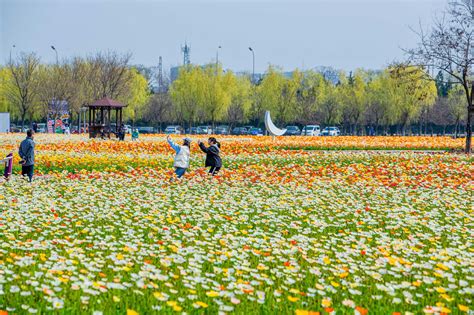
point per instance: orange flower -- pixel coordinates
(361, 310)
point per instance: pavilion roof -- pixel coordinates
(106, 102)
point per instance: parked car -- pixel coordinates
(249, 128)
(238, 131)
(292, 131)
(311, 130)
(176, 130)
(14, 128)
(331, 131)
(222, 130)
(194, 131)
(206, 130)
(256, 132)
(146, 129)
(41, 127)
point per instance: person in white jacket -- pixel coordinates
(181, 159)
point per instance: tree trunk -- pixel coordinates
(469, 129)
(456, 128)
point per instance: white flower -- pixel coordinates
(349, 303)
(14, 289)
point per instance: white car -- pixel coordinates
(173, 130)
(331, 131)
(41, 127)
(311, 130)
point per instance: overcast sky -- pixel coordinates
(345, 34)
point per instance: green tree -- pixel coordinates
(354, 100)
(217, 88)
(187, 94)
(269, 95)
(457, 106)
(241, 101)
(311, 94)
(137, 97)
(5, 79)
(330, 109)
(381, 110)
(411, 91)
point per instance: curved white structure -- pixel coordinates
(271, 128)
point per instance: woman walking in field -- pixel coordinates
(181, 159)
(213, 158)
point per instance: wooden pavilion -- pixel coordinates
(100, 117)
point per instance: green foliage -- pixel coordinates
(138, 95)
(411, 91)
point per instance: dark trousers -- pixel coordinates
(214, 170)
(28, 171)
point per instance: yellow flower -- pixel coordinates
(201, 304)
(326, 303)
(445, 310)
(292, 298)
(326, 260)
(447, 297)
(442, 266)
(212, 293)
(440, 290)
(132, 312)
(463, 308)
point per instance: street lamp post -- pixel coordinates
(54, 48)
(11, 48)
(217, 59)
(253, 64)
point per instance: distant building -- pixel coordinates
(174, 72)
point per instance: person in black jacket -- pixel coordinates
(212, 155)
(27, 154)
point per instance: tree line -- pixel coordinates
(33, 91)
(399, 99)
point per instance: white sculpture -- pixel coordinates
(271, 128)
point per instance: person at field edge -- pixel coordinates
(122, 133)
(27, 154)
(181, 159)
(135, 134)
(213, 158)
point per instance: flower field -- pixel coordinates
(293, 226)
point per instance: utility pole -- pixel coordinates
(186, 54)
(160, 75)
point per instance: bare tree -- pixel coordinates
(23, 89)
(159, 108)
(449, 47)
(109, 74)
(56, 89)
